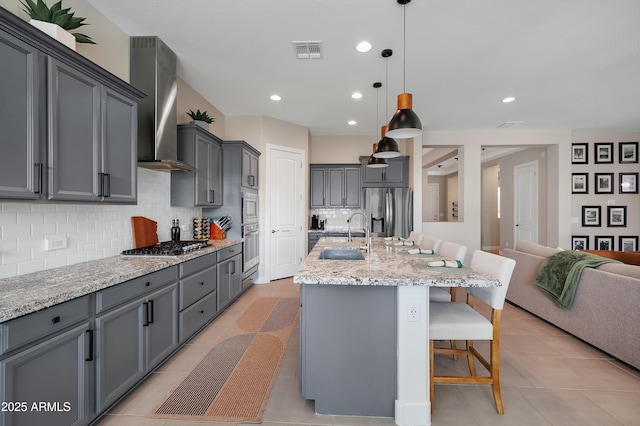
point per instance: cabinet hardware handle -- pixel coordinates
(107, 185)
(202, 312)
(89, 357)
(252, 180)
(147, 284)
(55, 320)
(233, 262)
(202, 283)
(100, 184)
(150, 312)
(37, 178)
(145, 314)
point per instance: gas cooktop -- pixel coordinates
(167, 248)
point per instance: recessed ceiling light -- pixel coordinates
(508, 99)
(363, 46)
(275, 97)
(352, 122)
(356, 95)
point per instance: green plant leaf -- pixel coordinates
(82, 38)
(43, 11)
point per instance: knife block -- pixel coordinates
(216, 233)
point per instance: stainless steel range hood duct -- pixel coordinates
(153, 71)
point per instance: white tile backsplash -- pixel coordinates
(93, 231)
(336, 219)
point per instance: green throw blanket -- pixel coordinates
(559, 274)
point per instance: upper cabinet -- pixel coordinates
(21, 159)
(396, 175)
(203, 187)
(334, 186)
(81, 116)
(92, 139)
(250, 169)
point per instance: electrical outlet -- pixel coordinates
(413, 312)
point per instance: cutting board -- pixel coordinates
(145, 231)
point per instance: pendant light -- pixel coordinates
(376, 162)
(404, 123)
(387, 147)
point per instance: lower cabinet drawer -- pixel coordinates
(28, 328)
(129, 290)
(197, 315)
(196, 286)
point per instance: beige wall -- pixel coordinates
(111, 50)
(189, 99)
(344, 149)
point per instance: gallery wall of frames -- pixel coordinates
(604, 183)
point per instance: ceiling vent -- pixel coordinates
(508, 124)
(308, 49)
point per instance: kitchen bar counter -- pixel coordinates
(29, 293)
(385, 265)
(364, 329)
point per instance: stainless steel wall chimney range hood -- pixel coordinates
(153, 71)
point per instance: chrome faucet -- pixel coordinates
(366, 228)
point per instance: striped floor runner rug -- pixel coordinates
(232, 382)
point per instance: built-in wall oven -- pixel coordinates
(251, 252)
(250, 230)
(249, 208)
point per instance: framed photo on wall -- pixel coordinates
(604, 243)
(628, 183)
(579, 153)
(604, 152)
(591, 215)
(579, 242)
(604, 183)
(628, 243)
(579, 183)
(628, 152)
(617, 216)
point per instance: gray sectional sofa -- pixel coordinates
(606, 309)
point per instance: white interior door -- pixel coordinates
(433, 203)
(285, 199)
(526, 202)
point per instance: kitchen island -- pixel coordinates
(364, 328)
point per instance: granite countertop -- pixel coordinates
(385, 265)
(29, 293)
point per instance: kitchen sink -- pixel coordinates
(340, 253)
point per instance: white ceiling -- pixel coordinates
(571, 64)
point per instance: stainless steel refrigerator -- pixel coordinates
(390, 211)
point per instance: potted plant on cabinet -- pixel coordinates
(56, 22)
(201, 119)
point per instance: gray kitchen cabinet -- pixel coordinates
(229, 275)
(334, 186)
(64, 105)
(134, 338)
(396, 175)
(21, 160)
(48, 357)
(317, 178)
(201, 150)
(56, 372)
(92, 144)
(347, 349)
(197, 295)
(250, 161)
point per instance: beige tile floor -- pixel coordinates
(548, 378)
